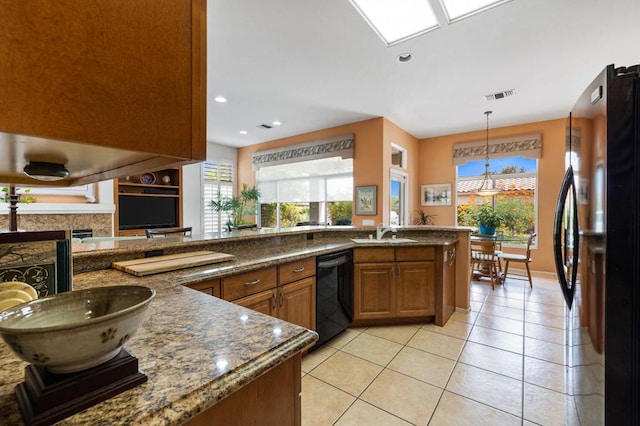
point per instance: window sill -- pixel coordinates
(58, 208)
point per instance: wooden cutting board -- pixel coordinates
(172, 262)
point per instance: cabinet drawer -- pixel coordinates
(373, 254)
(407, 254)
(248, 283)
(211, 287)
(296, 270)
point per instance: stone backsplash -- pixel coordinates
(100, 223)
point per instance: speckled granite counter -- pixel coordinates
(194, 348)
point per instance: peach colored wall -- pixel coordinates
(430, 161)
(367, 162)
(395, 135)
(436, 166)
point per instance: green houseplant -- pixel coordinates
(238, 207)
(424, 219)
(488, 219)
(22, 198)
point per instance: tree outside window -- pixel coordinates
(517, 177)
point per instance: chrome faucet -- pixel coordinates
(380, 231)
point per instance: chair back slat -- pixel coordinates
(483, 251)
(530, 241)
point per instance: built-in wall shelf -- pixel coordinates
(148, 200)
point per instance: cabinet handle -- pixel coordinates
(251, 283)
(298, 270)
(281, 299)
(275, 303)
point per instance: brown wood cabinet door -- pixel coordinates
(416, 289)
(264, 302)
(297, 303)
(113, 79)
(271, 399)
(374, 289)
(210, 287)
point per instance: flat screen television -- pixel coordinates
(147, 212)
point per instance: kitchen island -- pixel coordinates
(199, 350)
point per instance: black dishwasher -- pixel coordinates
(334, 294)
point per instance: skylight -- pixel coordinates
(459, 9)
(398, 20)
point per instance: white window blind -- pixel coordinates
(327, 179)
(218, 178)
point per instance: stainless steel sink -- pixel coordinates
(383, 240)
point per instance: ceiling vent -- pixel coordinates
(499, 95)
(265, 126)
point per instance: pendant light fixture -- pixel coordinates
(488, 188)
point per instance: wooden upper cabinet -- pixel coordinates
(129, 76)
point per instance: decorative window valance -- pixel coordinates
(528, 146)
(341, 146)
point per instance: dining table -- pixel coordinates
(499, 239)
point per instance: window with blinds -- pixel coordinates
(306, 192)
(218, 179)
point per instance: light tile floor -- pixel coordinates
(500, 364)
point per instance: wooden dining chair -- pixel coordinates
(519, 258)
(499, 237)
(167, 231)
(484, 261)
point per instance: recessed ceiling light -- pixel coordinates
(276, 123)
(220, 99)
(404, 57)
(244, 132)
(398, 20)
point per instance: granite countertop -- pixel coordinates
(194, 348)
(253, 249)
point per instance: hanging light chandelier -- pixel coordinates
(488, 188)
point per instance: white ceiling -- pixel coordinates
(314, 64)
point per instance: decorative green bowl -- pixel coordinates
(76, 330)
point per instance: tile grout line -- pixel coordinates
(444, 388)
(377, 375)
(524, 342)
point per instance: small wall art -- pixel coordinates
(583, 192)
(435, 195)
(366, 200)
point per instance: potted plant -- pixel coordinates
(237, 207)
(488, 219)
(424, 219)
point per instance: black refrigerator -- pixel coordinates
(597, 249)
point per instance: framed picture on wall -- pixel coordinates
(366, 200)
(435, 195)
(583, 191)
